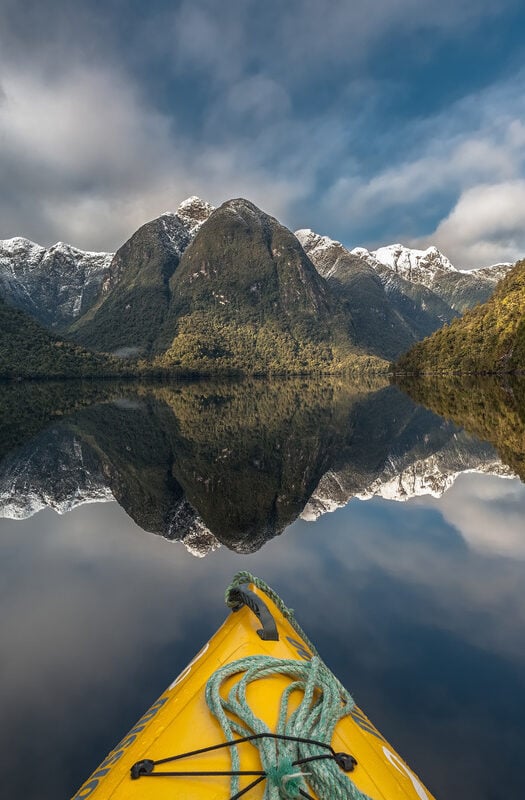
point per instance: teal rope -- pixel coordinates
(288, 613)
(325, 701)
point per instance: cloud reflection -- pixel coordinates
(428, 632)
(488, 513)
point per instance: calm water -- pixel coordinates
(397, 536)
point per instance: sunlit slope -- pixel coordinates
(488, 339)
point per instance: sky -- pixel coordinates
(371, 121)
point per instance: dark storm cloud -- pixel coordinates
(111, 114)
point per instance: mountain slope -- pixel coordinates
(135, 296)
(29, 351)
(488, 339)
(459, 289)
(387, 313)
(246, 296)
(55, 285)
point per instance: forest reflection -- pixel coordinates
(235, 463)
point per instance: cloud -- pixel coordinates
(406, 184)
(488, 513)
(466, 165)
(266, 101)
(258, 98)
(301, 37)
(88, 160)
(486, 226)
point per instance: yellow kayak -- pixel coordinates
(260, 683)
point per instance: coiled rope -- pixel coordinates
(296, 757)
(290, 765)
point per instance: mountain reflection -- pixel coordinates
(225, 463)
(493, 410)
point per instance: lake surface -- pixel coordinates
(396, 535)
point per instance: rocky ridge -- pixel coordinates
(178, 287)
(432, 476)
(460, 289)
(55, 285)
(387, 312)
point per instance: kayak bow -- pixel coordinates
(256, 714)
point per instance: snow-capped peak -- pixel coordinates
(323, 251)
(17, 243)
(193, 212)
(20, 248)
(53, 284)
(311, 240)
(420, 266)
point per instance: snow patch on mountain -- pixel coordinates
(193, 212)
(55, 284)
(55, 470)
(417, 266)
(322, 251)
(429, 476)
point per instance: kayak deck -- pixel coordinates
(180, 722)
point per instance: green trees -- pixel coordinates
(492, 411)
(488, 339)
(29, 351)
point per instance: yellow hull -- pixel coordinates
(180, 722)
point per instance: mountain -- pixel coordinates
(55, 285)
(135, 295)
(246, 296)
(386, 313)
(233, 290)
(459, 289)
(488, 339)
(417, 266)
(27, 350)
